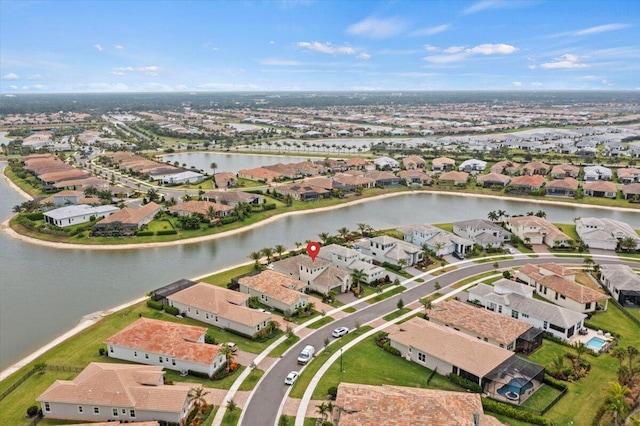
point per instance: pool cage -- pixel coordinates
(514, 380)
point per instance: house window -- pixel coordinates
(124, 411)
(510, 346)
(500, 309)
(525, 315)
(422, 357)
(587, 306)
(188, 309)
(173, 361)
(110, 348)
(115, 412)
(160, 359)
(546, 325)
(80, 409)
(96, 410)
(47, 407)
(562, 297)
(514, 314)
(206, 316)
(146, 356)
(132, 413)
(501, 345)
(135, 354)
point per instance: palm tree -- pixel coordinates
(279, 248)
(493, 216)
(558, 363)
(229, 355)
(541, 214)
(214, 166)
(268, 252)
(330, 408)
(620, 354)
(632, 351)
(581, 348)
(427, 305)
(502, 213)
(196, 396)
(362, 227)
(588, 263)
(628, 243)
(255, 256)
(211, 213)
(324, 236)
(322, 410)
(358, 277)
(343, 232)
(616, 400)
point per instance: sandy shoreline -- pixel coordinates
(6, 228)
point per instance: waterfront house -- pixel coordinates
(604, 233)
(441, 164)
(174, 346)
(303, 191)
(493, 179)
(127, 221)
(435, 239)
(536, 230)
(515, 300)
(413, 162)
(629, 175)
(622, 282)
(386, 163)
(276, 290)
(179, 177)
(479, 323)
(259, 174)
(201, 208)
(526, 183)
(233, 198)
(220, 307)
(320, 275)
(391, 250)
(482, 232)
(124, 392)
(604, 189)
(535, 168)
(415, 177)
(565, 187)
(453, 178)
(562, 171)
(631, 191)
(505, 167)
(472, 166)
(383, 179)
(76, 214)
(556, 284)
(225, 180)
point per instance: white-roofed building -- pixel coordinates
(76, 214)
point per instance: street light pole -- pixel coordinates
(341, 368)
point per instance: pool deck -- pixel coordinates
(590, 334)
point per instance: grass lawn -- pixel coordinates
(541, 398)
(349, 310)
(634, 311)
(320, 323)
(445, 226)
(368, 364)
(223, 278)
(282, 347)
(475, 278)
(395, 314)
(508, 420)
(251, 380)
(231, 417)
(386, 295)
(569, 229)
(216, 384)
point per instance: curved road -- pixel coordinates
(263, 406)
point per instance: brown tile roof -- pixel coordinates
(259, 173)
(453, 347)
(480, 321)
(563, 286)
(494, 177)
(221, 301)
(533, 221)
(631, 189)
(443, 161)
(322, 182)
(275, 285)
(63, 175)
(415, 174)
(199, 207)
(404, 406)
(532, 181)
(224, 178)
(132, 216)
(346, 179)
(454, 176)
(600, 185)
(566, 183)
(167, 338)
(629, 172)
(119, 385)
(565, 169)
(536, 165)
(503, 167)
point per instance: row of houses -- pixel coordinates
(163, 173)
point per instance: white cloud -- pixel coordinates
(35, 77)
(493, 49)
(98, 47)
(377, 28)
(37, 87)
(459, 53)
(272, 42)
(327, 48)
(601, 29)
(537, 84)
(497, 4)
(517, 83)
(566, 61)
(211, 46)
(11, 76)
(589, 78)
(14, 87)
(280, 62)
(364, 55)
(430, 48)
(151, 70)
(118, 47)
(431, 30)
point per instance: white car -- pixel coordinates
(340, 331)
(232, 345)
(291, 378)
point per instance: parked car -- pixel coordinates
(340, 331)
(291, 378)
(232, 345)
(458, 255)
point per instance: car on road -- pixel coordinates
(340, 331)
(306, 354)
(291, 378)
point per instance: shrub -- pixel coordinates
(228, 219)
(388, 348)
(332, 392)
(171, 310)
(209, 339)
(34, 216)
(513, 412)
(465, 383)
(32, 411)
(102, 351)
(144, 233)
(271, 206)
(154, 305)
(391, 266)
(167, 232)
(198, 374)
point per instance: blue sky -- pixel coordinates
(134, 46)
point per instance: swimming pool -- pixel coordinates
(595, 344)
(516, 386)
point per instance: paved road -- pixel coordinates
(263, 406)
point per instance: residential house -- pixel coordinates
(622, 282)
(482, 232)
(277, 290)
(493, 179)
(600, 189)
(233, 198)
(320, 275)
(415, 177)
(435, 239)
(631, 191)
(441, 164)
(505, 167)
(594, 173)
(351, 260)
(604, 233)
(562, 171)
(453, 178)
(535, 168)
(413, 162)
(259, 174)
(481, 324)
(359, 405)
(526, 183)
(556, 284)
(304, 191)
(349, 182)
(174, 346)
(76, 214)
(201, 208)
(536, 230)
(127, 221)
(565, 187)
(383, 179)
(110, 391)
(629, 175)
(220, 307)
(472, 166)
(181, 177)
(386, 163)
(516, 300)
(82, 183)
(463, 355)
(225, 180)
(391, 250)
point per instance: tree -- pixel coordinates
(581, 348)
(541, 214)
(288, 200)
(214, 166)
(279, 248)
(255, 256)
(197, 397)
(231, 405)
(343, 232)
(363, 228)
(400, 303)
(616, 400)
(152, 195)
(493, 216)
(268, 252)
(229, 355)
(427, 306)
(324, 236)
(620, 354)
(631, 352)
(628, 243)
(588, 263)
(358, 277)
(322, 410)
(211, 213)
(283, 421)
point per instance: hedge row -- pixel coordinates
(513, 412)
(465, 383)
(228, 219)
(167, 232)
(154, 305)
